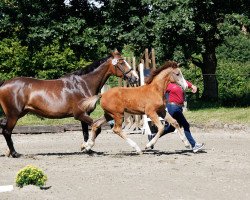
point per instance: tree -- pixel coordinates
(123, 24)
(196, 28)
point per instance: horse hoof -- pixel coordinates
(148, 146)
(16, 155)
(88, 148)
(83, 146)
(139, 152)
(84, 151)
(7, 153)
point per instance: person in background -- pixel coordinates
(175, 102)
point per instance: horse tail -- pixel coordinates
(88, 104)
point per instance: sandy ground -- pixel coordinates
(221, 171)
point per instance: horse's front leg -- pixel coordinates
(155, 118)
(175, 124)
(8, 126)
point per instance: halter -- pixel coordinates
(122, 69)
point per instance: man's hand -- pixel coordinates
(194, 89)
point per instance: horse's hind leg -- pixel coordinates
(7, 131)
(85, 131)
(175, 124)
(3, 122)
(95, 130)
(118, 130)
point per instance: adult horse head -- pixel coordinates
(148, 99)
(123, 69)
(58, 98)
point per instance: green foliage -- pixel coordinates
(234, 83)
(47, 39)
(235, 49)
(53, 62)
(233, 79)
(14, 59)
(30, 175)
(124, 24)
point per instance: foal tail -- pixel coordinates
(88, 104)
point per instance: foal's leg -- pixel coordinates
(7, 131)
(95, 130)
(155, 118)
(175, 124)
(118, 130)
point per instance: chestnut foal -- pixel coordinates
(148, 99)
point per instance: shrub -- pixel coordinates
(30, 175)
(52, 61)
(14, 59)
(233, 82)
(235, 49)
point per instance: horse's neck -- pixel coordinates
(96, 79)
(160, 81)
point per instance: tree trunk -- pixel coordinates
(210, 92)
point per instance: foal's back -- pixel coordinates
(132, 99)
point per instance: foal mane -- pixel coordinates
(167, 64)
(89, 68)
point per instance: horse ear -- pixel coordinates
(115, 52)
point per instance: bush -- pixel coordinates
(235, 49)
(30, 175)
(14, 59)
(233, 82)
(53, 62)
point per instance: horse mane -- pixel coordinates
(167, 64)
(89, 68)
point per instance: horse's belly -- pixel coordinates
(50, 112)
(134, 111)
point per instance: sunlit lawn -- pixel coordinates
(223, 115)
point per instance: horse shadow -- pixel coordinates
(59, 154)
(120, 154)
(176, 152)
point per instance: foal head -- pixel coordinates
(121, 68)
(175, 75)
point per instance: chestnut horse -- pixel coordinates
(148, 99)
(59, 98)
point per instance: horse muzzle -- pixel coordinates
(132, 80)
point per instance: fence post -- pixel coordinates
(153, 59)
(146, 59)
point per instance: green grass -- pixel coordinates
(223, 115)
(199, 116)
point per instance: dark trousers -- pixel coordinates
(177, 113)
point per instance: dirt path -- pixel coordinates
(115, 172)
